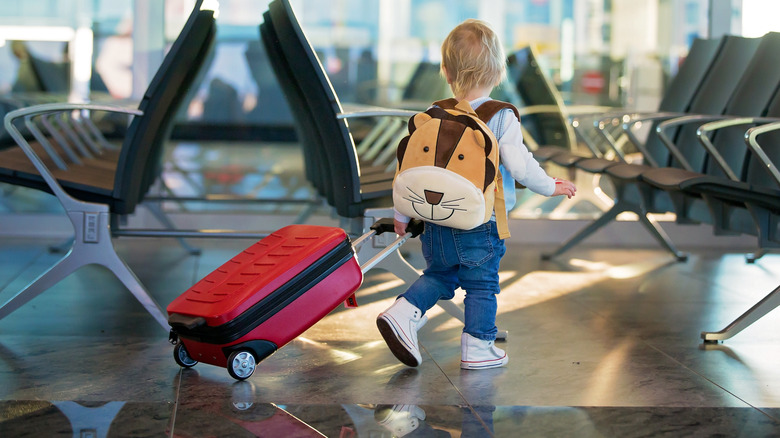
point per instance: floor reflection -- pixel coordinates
(35, 418)
(241, 417)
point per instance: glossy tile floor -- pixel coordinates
(602, 343)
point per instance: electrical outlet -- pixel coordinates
(91, 224)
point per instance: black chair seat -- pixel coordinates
(669, 178)
(627, 172)
(595, 165)
(735, 192)
(546, 153)
(568, 159)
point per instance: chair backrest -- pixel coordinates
(682, 89)
(54, 77)
(712, 96)
(534, 88)
(305, 125)
(753, 97)
(686, 82)
(272, 107)
(426, 84)
(307, 71)
(141, 158)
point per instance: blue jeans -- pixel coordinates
(461, 258)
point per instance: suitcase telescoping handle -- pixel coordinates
(414, 229)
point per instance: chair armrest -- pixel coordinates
(664, 126)
(562, 110)
(628, 122)
(28, 114)
(750, 139)
(598, 121)
(377, 113)
(540, 109)
(566, 110)
(358, 111)
(704, 131)
(589, 110)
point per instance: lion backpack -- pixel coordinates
(447, 170)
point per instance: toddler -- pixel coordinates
(473, 63)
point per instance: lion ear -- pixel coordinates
(401, 151)
(418, 120)
(480, 137)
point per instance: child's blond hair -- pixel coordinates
(473, 57)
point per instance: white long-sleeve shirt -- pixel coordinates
(517, 162)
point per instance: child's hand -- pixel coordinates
(400, 227)
(563, 187)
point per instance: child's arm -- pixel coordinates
(524, 168)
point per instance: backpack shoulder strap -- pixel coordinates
(487, 110)
(499, 207)
(446, 103)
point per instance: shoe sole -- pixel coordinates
(484, 365)
(397, 347)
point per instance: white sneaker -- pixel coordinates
(478, 354)
(401, 420)
(398, 326)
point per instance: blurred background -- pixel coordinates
(617, 53)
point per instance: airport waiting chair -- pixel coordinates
(319, 163)
(543, 114)
(759, 194)
(426, 85)
(598, 130)
(349, 195)
(97, 187)
(746, 200)
(688, 158)
(712, 98)
(721, 155)
(731, 177)
(607, 145)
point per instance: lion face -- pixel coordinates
(445, 170)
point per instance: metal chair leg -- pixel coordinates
(766, 305)
(64, 267)
(660, 235)
(594, 226)
(88, 249)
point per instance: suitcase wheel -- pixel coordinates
(183, 358)
(241, 364)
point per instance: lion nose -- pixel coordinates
(432, 197)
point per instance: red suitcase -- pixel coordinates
(266, 296)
